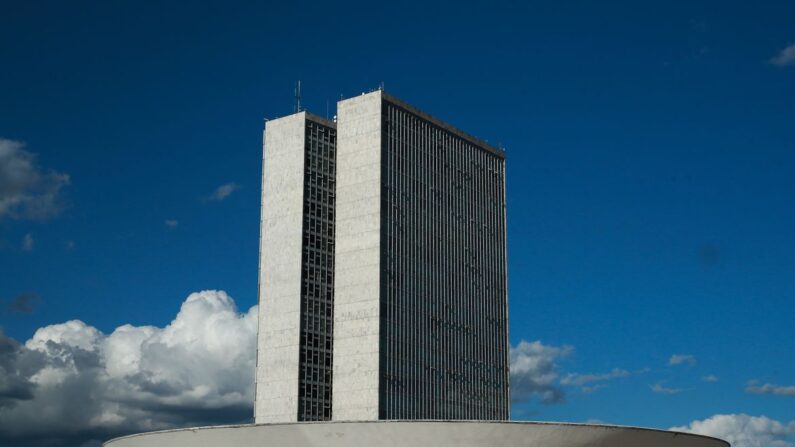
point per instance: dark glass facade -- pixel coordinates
(443, 328)
(317, 275)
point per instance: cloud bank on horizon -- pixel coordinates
(742, 430)
(70, 384)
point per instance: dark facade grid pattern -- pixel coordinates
(444, 344)
(317, 275)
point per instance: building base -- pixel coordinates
(417, 434)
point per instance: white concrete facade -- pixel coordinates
(357, 256)
(280, 270)
(418, 434)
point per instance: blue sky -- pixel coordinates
(651, 172)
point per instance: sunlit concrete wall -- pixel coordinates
(280, 270)
(357, 258)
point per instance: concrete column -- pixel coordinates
(357, 259)
(280, 270)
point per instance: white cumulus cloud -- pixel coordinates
(71, 383)
(742, 430)
(535, 371)
(26, 191)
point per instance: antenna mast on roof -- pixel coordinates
(298, 96)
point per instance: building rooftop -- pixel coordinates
(442, 124)
(414, 110)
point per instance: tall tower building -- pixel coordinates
(390, 228)
(383, 293)
(420, 311)
(294, 345)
